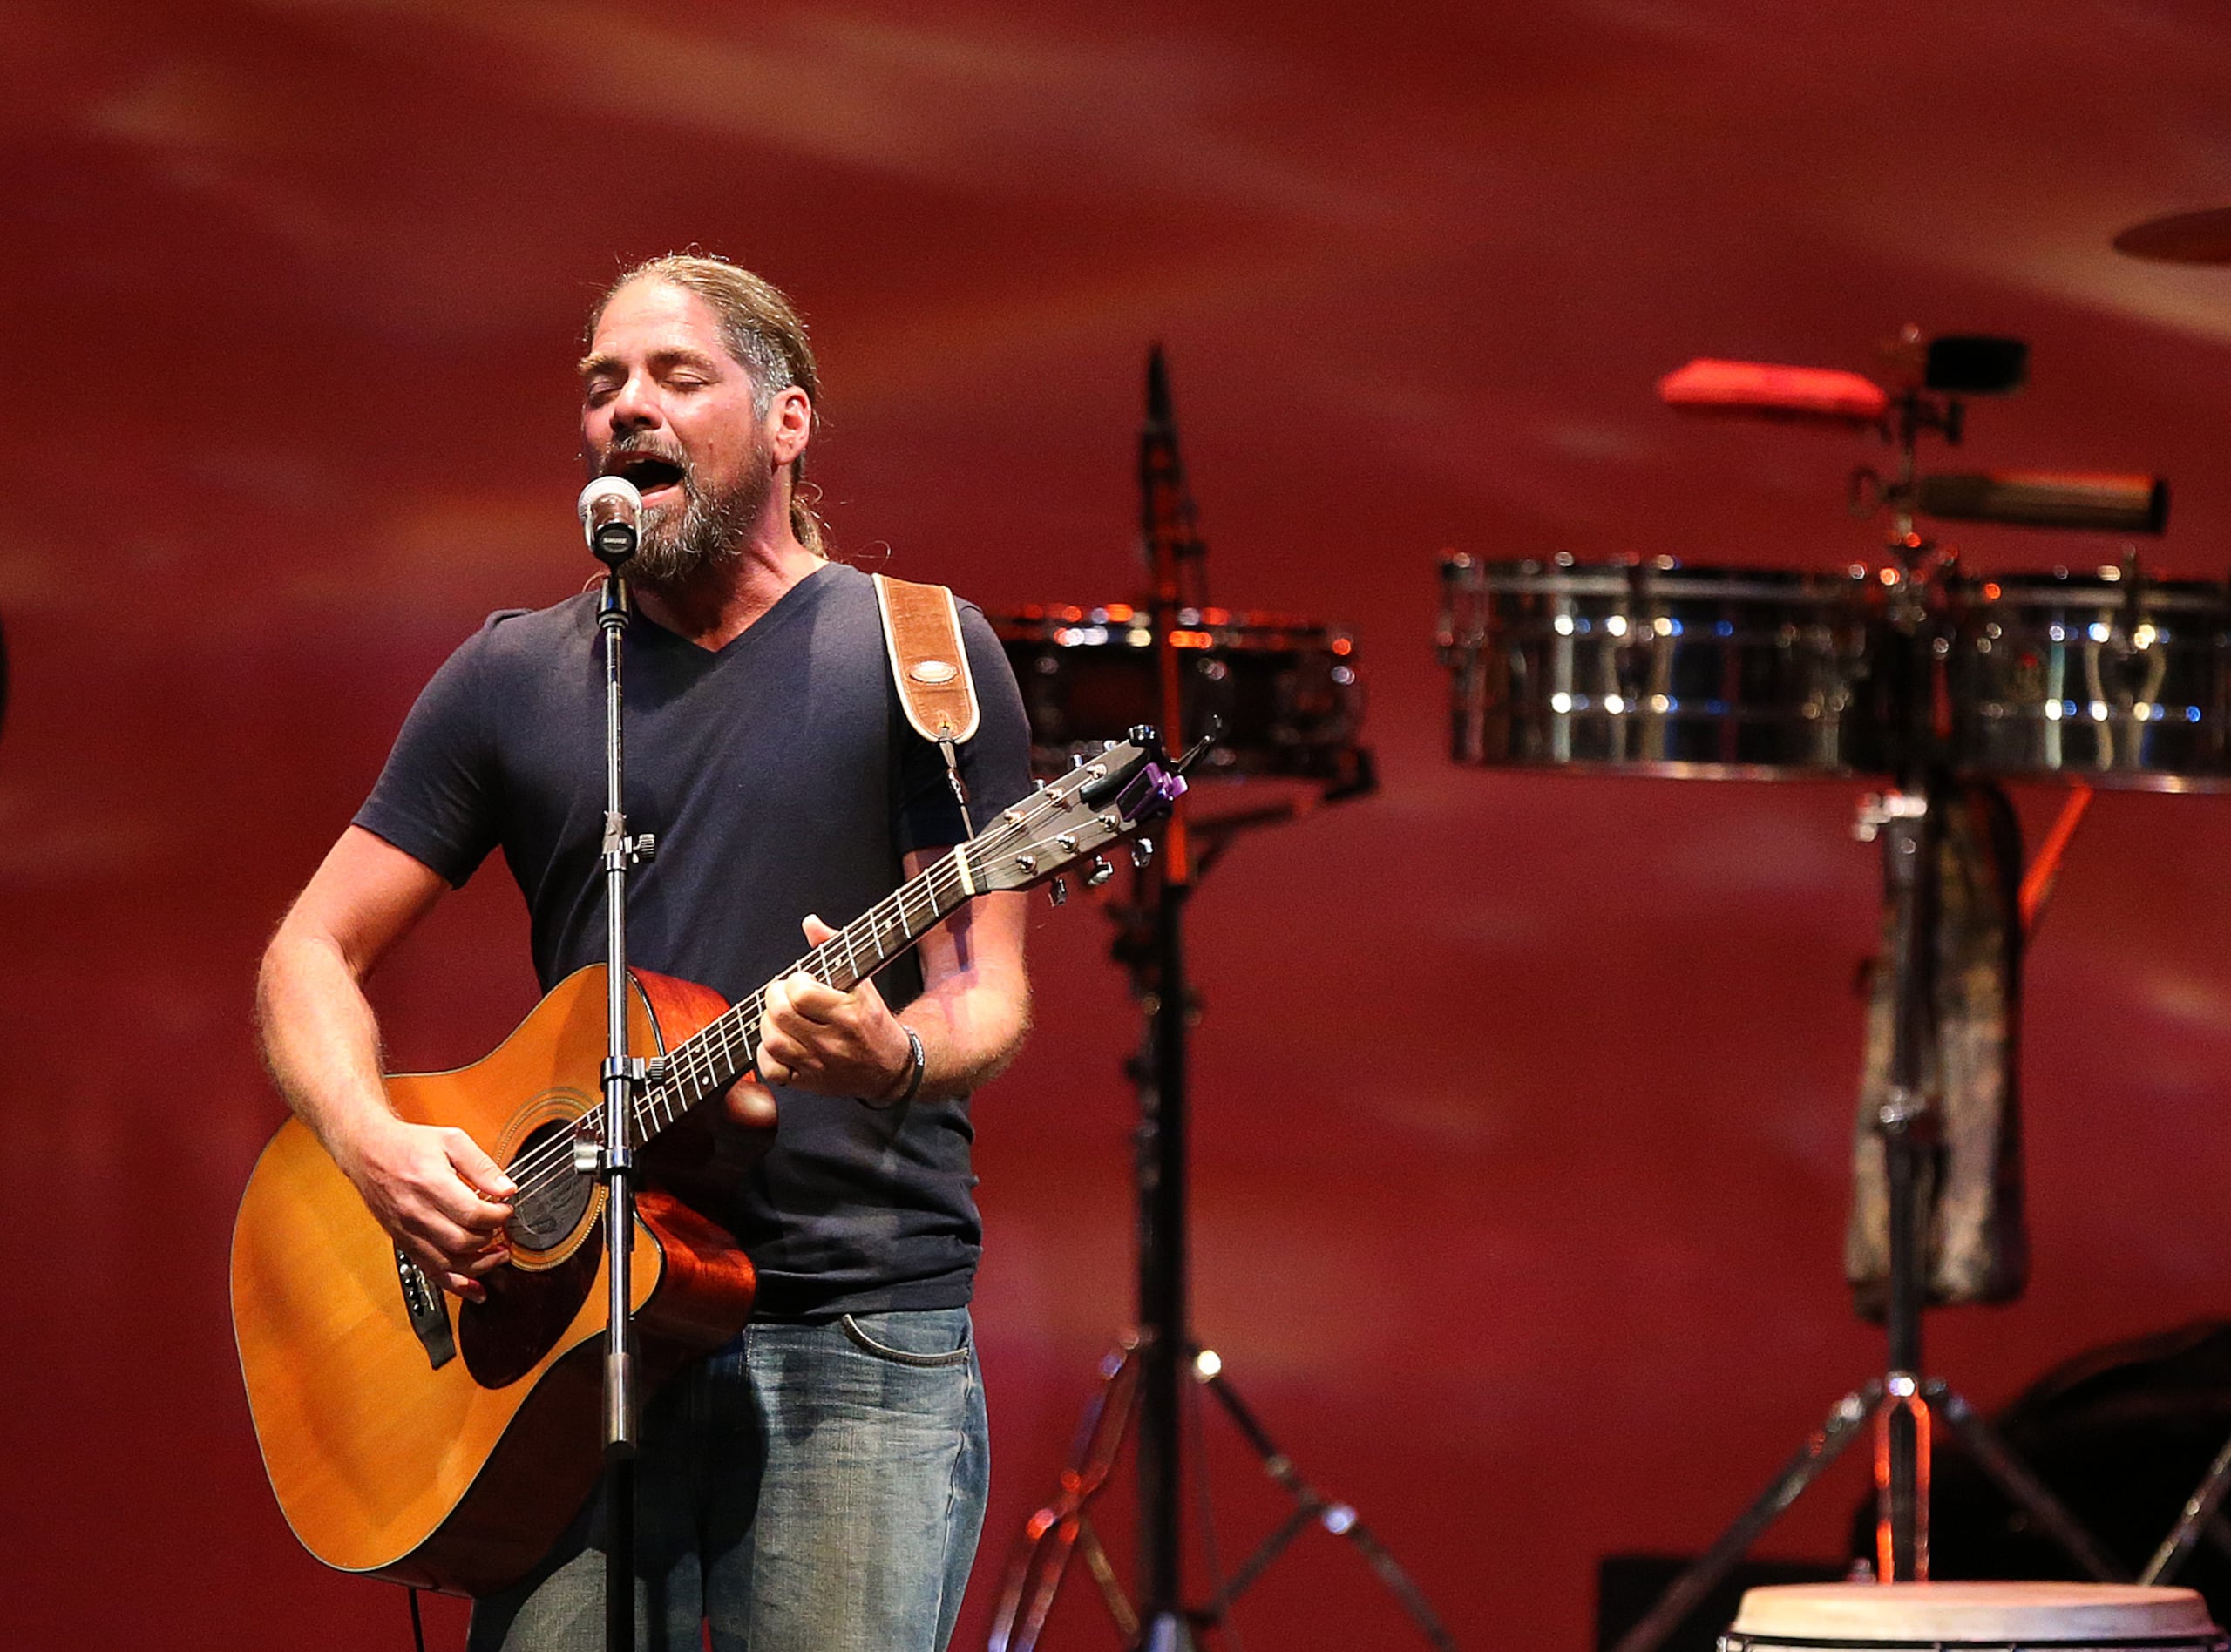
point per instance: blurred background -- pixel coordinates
(1523, 1102)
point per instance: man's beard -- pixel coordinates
(708, 530)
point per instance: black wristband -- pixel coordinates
(919, 1062)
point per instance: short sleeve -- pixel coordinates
(437, 799)
(994, 766)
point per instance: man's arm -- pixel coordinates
(433, 1190)
(971, 1017)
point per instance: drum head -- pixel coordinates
(1972, 1615)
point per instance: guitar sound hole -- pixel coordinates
(553, 1196)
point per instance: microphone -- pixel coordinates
(1773, 391)
(611, 513)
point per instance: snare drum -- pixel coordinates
(1973, 1617)
(1649, 667)
(1285, 690)
(2105, 677)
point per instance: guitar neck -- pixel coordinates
(724, 1049)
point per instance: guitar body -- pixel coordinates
(444, 1444)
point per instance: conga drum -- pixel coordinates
(1972, 1617)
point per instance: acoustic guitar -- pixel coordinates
(446, 1444)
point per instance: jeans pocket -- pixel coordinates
(935, 1327)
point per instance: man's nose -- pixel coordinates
(635, 408)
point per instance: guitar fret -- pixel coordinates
(726, 1047)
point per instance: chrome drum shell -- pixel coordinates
(1652, 668)
(2103, 676)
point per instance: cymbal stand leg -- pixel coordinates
(1688, 1591)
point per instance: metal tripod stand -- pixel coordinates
(1144, 1379)
(1907, 821)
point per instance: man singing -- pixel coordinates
(817, 1485)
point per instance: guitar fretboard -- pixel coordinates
(723, 1050)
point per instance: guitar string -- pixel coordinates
(690, 1062)
(737, 1026)
(691, 1065)
(694, 1068)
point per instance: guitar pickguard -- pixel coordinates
(503, 1338)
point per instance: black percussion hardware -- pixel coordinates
(2180, 238)
(1279, 703)
(1915, 669)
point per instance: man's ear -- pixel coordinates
(789, 424)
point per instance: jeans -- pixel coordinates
(807, 1488)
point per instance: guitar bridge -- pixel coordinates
(429, 1315)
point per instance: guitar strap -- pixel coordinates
(921, 633)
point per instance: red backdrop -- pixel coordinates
(1523, 1102)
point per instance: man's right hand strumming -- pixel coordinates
(438, 1194)
(440, 1197)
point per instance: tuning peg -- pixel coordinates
(1058, 891)
(1141, 851)
(1100, 873)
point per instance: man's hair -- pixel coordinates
(763, 332)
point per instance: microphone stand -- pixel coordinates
(1146, 1381)
(608, 1152)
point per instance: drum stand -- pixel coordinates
(1904, 1402)
(1141, 1380)
(1144, 1377)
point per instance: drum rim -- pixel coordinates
(1649, 769)
(1732, 1639)
(1973, 582)
(1609, 579)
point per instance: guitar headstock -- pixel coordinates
(1103, 800)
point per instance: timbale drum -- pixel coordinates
(1284, 691)
(1647, 667)
(2103, 676)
